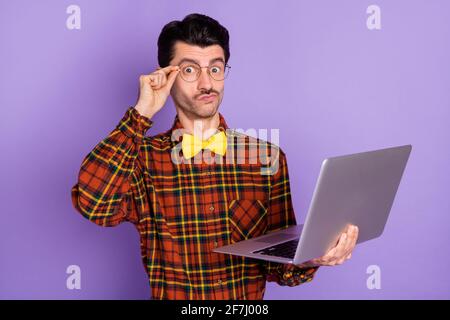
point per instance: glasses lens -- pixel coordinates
(190, 72)
(217, 71)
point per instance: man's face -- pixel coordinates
(187, 95)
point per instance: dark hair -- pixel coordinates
(194, 29)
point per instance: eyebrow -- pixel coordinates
(198, 62)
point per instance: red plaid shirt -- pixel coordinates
(183, 211)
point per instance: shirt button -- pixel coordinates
(211, 208)
(215, 244)
(219, 281)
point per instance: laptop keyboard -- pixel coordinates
(285, 249)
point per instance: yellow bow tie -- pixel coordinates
(191, 145)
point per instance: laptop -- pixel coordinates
(354, 189)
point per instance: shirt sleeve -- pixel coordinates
(281, 215)
(110, 187)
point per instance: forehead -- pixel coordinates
(202, 55)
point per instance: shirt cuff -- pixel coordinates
(292, 275)
(134, 125)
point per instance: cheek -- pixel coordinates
(183, 91)
(220, 88)
(178, 87)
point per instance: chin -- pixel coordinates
(206, 110)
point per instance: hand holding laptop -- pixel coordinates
(339, 253)
(351, 190)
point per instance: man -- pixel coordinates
(198, 185)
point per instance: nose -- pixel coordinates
(204, 81)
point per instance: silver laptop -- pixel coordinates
(354, 189)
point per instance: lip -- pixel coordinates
(209, 97)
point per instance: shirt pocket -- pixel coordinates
(247, 219)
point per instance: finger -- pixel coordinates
(356, 234)
(353, 239)
(169, 69)
(340, 248)
(348, 254)
(353, 230)
(337, 252)
(350, 240)
(160, 81)
(152, 79)
(329, 257)
(148, 80)
(330, 254)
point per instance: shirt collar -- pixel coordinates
(177, 125)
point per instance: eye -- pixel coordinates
(189, 69)
(215, 69)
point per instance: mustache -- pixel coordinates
(207, 93)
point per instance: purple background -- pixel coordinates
(310, 68)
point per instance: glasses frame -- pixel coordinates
(208, 71)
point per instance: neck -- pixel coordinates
(202, 127)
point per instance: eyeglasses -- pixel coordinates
(190, 71)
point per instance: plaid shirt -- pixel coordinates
(183, 209)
